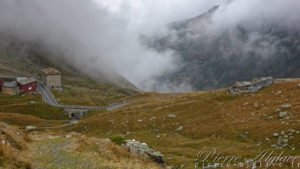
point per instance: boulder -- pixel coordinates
(261, 83)
(253, 86)
(286, 106)
(171, 115)
(282, 114)
(180, 128)
(30, 128)
(142, 150)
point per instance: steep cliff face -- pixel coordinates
(216, 56)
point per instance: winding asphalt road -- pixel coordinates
(49, 99)
(47, 95)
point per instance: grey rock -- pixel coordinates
(180, 128)
(245, 134)
(73, 122)
(275, 134)
(282, 114)
(51, 137)
(216, 165)
(286, 106)
(142, 150)
(246, 103)
(32, 102)
(172, 115)
(285, 140)
(253, 86)
(30, 128)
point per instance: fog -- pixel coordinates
(106, 34)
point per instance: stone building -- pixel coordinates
(52, 78)
(10, 88)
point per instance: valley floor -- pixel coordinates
(177, 125)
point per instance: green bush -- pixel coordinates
(118, 139)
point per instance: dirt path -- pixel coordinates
(59, 152)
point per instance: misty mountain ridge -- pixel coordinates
(215, 57)
(20, 57)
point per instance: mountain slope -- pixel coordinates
(216, 56)
(19, 57)
(181, 125)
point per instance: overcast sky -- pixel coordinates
(105, 34)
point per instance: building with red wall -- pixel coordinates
(1, 84)
(27, 85)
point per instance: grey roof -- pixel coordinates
(25, 81)
(10, 84)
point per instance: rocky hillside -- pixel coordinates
(214, 56)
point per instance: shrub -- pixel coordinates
(118, 139)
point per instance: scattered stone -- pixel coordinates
(30, 128)
(245, 134)
(73, 122)
(282, 132)
(277, 110)
(292, 131)
(216, 165)
(275, 134)
(245, 104)
(285, 140)
(32, 102)
(140, 120)
(298, 85)
(249, 87)
(267, 139)
(282, 114)
(286, 106)
(180, 128)
(172, 115)
(142, 150)
(51, 137)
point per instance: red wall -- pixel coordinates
(31, 87)
(1, 83)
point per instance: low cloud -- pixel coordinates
(106, 34)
